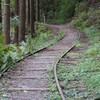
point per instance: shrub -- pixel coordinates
(86, 17)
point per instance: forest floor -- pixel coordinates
(29, 79)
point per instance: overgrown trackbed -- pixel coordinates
(29, 80)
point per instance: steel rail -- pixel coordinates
(55, 72)
(55, 67)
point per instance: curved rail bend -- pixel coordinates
(55, 72)
(55, 68)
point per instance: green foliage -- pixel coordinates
(86, 16)
(14, 21)
(92, 63)
(89, 71)
(80, 21)
(94, 17)
(93, 34)
(0, 28)
(58, 11)
(80, 7)
(8, 54)
(1, 38)
(65, 12)
(54, 96)
(92, 51)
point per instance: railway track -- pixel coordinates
(55, 72)
(29, 80)
(55, 67)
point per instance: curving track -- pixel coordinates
(55, 72)
(29, 80)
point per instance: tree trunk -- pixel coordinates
(32, 18)
(37, 10)
(7, 21)
(16, 28)
(22, 14)
(27, 13)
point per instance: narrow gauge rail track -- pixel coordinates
(26, 82)
(55, 67)
(55, 72)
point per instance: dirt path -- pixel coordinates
(29, 80)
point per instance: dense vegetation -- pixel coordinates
(62, 11)
(58, 11)
(86, 16)
(87, 19)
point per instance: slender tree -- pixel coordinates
(27, 13)
(37, 10)
(22, 14)
(32, 18)
(16, 14)
(7, 21)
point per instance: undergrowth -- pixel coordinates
(86, 16)
(88, 68)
